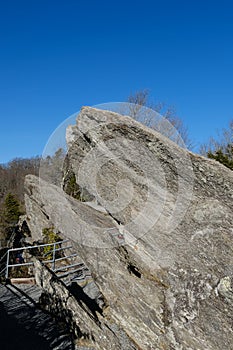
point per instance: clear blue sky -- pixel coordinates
(59, 55)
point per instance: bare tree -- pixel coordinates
(51, 167)
(157, 116)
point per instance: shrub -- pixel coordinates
(49, 236)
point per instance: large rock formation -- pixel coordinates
(154, 224)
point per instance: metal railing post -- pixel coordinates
(54, 254)
(7, 262)
(52, 260)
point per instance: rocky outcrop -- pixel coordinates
(157, 235)
(81, 314)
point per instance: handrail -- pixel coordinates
(53, 260)
(35, 246)
(39, 245)
(63, 258)
(22, 264)
(68, 266)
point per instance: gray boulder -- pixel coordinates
(157, 234)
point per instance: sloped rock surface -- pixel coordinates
(168, 282)
(82, 314)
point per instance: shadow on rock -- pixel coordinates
(15, 336)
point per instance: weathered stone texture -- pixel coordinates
(169, 286)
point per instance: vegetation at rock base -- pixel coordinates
(49, 236)
(221, 149)
(226, 158)
(12, 209)
(10, 212)
(71, 187)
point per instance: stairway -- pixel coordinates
(23, 325)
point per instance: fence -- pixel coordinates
(52, 248)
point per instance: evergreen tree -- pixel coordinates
(12, 209)
(223, 156)
(9, 216)
(221, 149)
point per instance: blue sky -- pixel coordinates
(59, 55)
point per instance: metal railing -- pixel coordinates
(55, 247)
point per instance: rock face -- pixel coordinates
(157, 234)
(79, 313)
